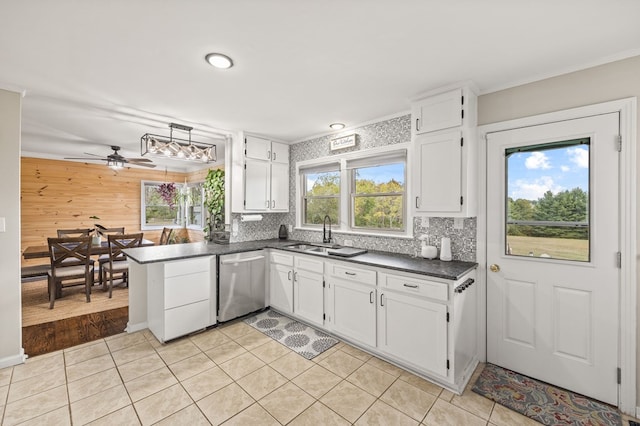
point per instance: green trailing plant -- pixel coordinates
(214, 198)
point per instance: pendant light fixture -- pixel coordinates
(181, 149)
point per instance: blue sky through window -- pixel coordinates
(531, 174)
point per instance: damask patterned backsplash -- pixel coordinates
(388, 132)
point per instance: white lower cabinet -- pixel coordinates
(181, 296)
(425, 324)
(281, 282)
(352, 302)
(296, 286)
(413, 329)
(308, 289)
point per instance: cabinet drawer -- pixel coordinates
(414, 285)
(182, 267)
(310, 264)
(281, 258)
(352, 273)
(185, 319)
(185, 289)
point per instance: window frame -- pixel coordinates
(143, 208)
(344, 225)
(305, 197)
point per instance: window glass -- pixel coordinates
(172, 204)
(378, 197)
(321, 197)
(548, 201)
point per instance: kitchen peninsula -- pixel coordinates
(417, 313)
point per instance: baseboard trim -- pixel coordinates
(132, 328)
(13, 360)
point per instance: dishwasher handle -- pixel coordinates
(248, 259)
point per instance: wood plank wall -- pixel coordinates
(58, 194)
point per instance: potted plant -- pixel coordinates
(214, 203)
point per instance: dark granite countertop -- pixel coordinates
(401, 262)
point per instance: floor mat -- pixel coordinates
(305, 340)
(542, 402)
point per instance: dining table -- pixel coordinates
(36, 252)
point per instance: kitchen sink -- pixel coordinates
(327, 249)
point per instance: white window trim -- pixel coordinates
(342, 159)
(144, 227)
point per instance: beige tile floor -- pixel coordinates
(232, 375)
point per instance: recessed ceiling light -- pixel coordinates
(219, 60)
(337, 126)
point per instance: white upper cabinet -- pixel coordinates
(438, 112)
(444, 163)
(260, 181)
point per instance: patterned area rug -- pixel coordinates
(298, 337)
(542, 402)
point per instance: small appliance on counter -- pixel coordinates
(427, 251)
(282, 232)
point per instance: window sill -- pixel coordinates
(400, 235)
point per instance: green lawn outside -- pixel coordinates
(557, 248)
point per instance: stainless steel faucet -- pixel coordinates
(325, 238)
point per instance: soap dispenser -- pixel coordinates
(427, 251)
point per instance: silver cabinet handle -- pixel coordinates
(274, 156)
(295, 276)
(266, 204)
(350, 273)
(268, 155)
(417, 202)
(381, 300)
(273, 204)
(411, 285)
(371, 297)
(289, 275)
(417, 124)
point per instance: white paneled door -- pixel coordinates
(553, 272)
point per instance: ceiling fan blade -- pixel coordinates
(95, 155)
(85, 158)
(139, 160)
(144, 165)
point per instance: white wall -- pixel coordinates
(616, 80)
(10, 298)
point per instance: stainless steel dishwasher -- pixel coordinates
(241, 284)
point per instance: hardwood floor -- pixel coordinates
(63, 333)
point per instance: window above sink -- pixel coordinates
(363, 192)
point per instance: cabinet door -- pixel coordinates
(256, 185)
(414, 330)
(279, 187)
(438, 112)
(352, 310)
(308, 296)
(279, 152)
(438, 173)
(257, 148)
(281, 288)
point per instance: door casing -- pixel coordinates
(628, 287)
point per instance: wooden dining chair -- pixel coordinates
(104, 258)
(71, 264)
(165, 237)
(69, 233)
(118, 263)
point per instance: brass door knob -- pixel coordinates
(494, 268)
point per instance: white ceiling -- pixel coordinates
(102, 73)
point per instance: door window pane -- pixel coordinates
(548, 200)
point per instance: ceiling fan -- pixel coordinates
(115, 160)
